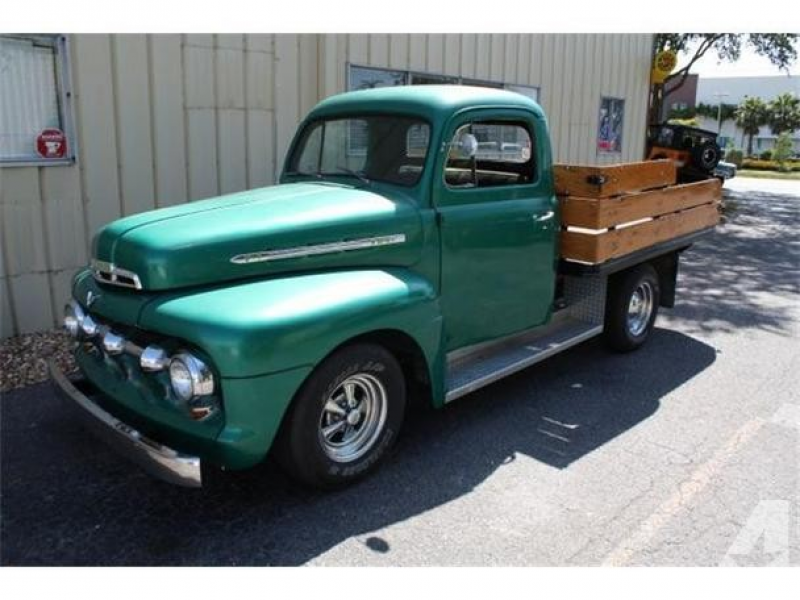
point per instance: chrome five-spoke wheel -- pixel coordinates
(631, 307)
(353, 417)
(640, 308)
(345, 417)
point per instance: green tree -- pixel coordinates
(681, 113)
(751, 114)
(783, 150)
(784, 113)
(726, 113)
(779, 48)
(691, 122)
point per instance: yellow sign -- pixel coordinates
(663, 65)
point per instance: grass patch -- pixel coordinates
(768, 174)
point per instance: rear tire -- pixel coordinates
(631, 308)
(344, 419)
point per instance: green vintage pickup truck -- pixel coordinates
(409, 254)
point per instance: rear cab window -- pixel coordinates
(505, 156)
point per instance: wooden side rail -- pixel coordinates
(598, 229)
(604, 181)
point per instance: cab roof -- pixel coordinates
(434, 102)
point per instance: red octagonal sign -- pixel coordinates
(51, 143)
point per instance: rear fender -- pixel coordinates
(667, 268)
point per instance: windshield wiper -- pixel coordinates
(345, 170)
(337, 171)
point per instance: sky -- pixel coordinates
(749, 64)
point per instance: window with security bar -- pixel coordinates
(34, 127)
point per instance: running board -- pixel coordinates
(470, 370)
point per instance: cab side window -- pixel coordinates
(504, 155)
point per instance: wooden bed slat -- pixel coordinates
(585, 181)
(598, 248)
(602, 213)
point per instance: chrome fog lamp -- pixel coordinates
(73, 317)
(154, 358)
(113, 344)
(190, 377)
(88, 326)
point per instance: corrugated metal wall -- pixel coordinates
(163, 119)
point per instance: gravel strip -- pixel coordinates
(23, 357)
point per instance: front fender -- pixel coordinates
(259, 327)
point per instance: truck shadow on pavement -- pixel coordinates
(66, 499)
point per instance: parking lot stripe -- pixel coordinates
(683, 496)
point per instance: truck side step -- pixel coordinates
(473, 368)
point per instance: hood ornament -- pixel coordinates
(91, 298)
(106, 272)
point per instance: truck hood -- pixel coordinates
(284, 228)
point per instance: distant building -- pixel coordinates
(731, 133)
(679, 98)
(736, 89)
(732, 90)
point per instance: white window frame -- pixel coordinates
(350, 66)
(410, 73)
(514, 87)
(65, 105)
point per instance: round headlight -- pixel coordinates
(190, 377)
(73, 318)
(181, 379)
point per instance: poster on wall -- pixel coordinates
(612, 115)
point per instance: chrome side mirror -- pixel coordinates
(465, 146)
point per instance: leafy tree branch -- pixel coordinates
(779, 48)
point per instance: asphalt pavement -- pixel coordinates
(683, 453)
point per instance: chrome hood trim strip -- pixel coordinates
(317, 249)
(106, 272)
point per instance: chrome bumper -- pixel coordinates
(157, 459)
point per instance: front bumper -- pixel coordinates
(157, 459)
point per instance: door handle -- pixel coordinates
(544, 216)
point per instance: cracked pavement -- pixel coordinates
(683, 453)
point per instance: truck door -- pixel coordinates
(498, 221)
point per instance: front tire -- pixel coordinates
(631, 308)
(345, 417)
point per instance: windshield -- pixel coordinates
(391, 149)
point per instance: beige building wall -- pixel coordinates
(164, 119)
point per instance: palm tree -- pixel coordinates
(751, 114)
(784, 113)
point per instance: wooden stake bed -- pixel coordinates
(604, 181)
(598, 228)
